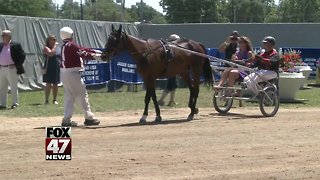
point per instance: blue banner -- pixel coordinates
(96, 72)
(215, 52)
(124, 69)
(309, 56)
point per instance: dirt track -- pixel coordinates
(237, 146)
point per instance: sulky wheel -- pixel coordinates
(269, 102)
(222, 102)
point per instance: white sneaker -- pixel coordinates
(55, 102)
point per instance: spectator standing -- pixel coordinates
(12, 58)
(171, 82)
(52, 65)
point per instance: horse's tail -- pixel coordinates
(206, 69)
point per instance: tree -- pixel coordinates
(222, 9)
(144, 12)
(70, 10)
(101, 10)
(190, 11)
(36, 8)
(211, 11)
(252, 11)
(272, 12)
(273, 16)
(177, 11)
(299, 11)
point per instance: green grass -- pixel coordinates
(32, 103)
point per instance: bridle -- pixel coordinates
(121, 44)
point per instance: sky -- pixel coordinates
(128, 3)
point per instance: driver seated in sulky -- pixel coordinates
(267, 64)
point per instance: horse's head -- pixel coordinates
(115, 43)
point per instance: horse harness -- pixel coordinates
(168, 52)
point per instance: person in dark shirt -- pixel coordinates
(229, 47)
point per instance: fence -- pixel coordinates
(123, 69)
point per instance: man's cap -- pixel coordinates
(6, 32)
(235, 34)
(269, 39)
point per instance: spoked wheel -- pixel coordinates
(222, 102)
(269, 102)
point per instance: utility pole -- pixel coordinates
(122, 3)
(222, 12)
(201, 15)
(71, 10)
(234, 14)
(81, 10)
(57, 10)
(141, 11)
(96, 11)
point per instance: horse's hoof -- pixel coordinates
(196, 111)
(158, 119)
(143, 121)
(190, 117)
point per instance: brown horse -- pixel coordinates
(150, 57)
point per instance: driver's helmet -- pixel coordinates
(269, 39)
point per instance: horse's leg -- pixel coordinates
(187, 79)
(191, 102)
(153, 95)
(143, 119)
(194, 92)
(196, 83)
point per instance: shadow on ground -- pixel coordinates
(152, 123)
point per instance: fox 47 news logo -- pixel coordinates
(58, 143)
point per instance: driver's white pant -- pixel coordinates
(259, 76)
(74, 91)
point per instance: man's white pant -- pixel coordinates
(252, 79)
(74, 91)
(8, 76)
